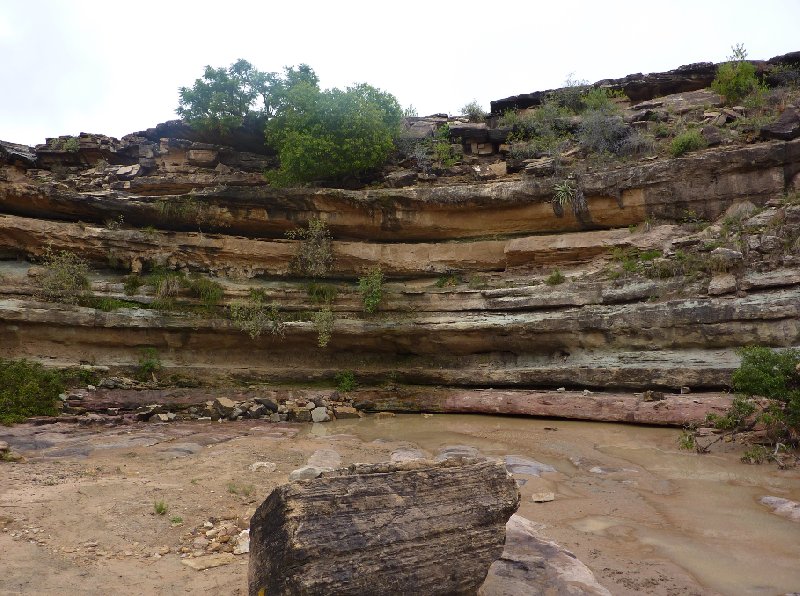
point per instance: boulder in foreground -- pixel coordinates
(416, 527)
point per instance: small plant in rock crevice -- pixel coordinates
(563, 194)
(345, 381)
(132, 284)
(257, 315)
(555, 278)
(207, 290)
(149, 363)
(314, 257)
(324, 320)
(65, 277)
(371, 287)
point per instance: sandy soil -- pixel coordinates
(77, 514)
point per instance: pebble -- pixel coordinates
(543, 497)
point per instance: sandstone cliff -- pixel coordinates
(651, 283)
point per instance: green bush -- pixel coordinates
(555, 278)
(332, 135)
(549, 122)
(314, 256)
(255, 315)
(149, 363)
(167, 284)
(323, 320)
(603, 133)
(27, 389)
(208, 291)
(691, 140)
(72, 144)
(773, 375)
(736, 78)
(321, 293)
(598, 99)
(65, 277)
(474, 111)
(132, 284)
(345, 381)
(571, 95)
(371, 288)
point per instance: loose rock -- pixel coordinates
(383, 529)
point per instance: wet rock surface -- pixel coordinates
(533, 566)
(383, 528)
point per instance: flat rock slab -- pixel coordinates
(516, 464)
(383, 529)
(783, 507)
(533, 566)
(209, 561)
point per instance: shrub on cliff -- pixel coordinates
(736, 78)
(332, 135)
(371, 287)
(314, 257)
(767, 384)
(65, 277)
(256, 315)
(688, 141)
(27, 389)
(474, 111)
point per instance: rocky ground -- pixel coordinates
(79, 510)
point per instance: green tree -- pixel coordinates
(221, 100)
(333, 134)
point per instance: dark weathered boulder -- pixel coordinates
(16, 154)
(786, 127)
(475, 131)
(417, 527)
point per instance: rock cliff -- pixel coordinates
(493, 291)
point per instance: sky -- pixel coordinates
(111, 67)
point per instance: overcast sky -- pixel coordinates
(110, 67)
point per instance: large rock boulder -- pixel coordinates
(415, 527)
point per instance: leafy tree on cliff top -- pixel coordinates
(319, 134)
(227, 98)
(332, 134)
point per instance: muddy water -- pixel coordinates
(645, 516)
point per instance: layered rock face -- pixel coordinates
(417, 527)
(651, 282)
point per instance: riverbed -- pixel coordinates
(77, 514)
